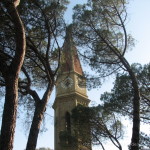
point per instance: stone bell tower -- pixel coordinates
(70, 91)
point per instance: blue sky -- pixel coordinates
(139, 27)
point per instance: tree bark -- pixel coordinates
(35, 126)
(9, 114)
(11, 76)
(136, 114)
(136, 107)
(37, 118)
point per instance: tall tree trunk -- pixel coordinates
(38, 116)
(11, 76)
(9, 114)
(136, 102)
(136, 115)
(136, 107)
(35, 126)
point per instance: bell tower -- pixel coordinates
(70, 91)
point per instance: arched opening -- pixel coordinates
(68, 122)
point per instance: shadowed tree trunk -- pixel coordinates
(10, 74)
(136, 106)
(38, 117)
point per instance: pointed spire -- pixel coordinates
(70, 59)
(68, 36)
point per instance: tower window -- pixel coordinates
(68, 122)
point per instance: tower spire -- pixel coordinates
(70, 58)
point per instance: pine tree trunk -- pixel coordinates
(35, 126)
(38, 117)
(136, 108)
(11, 77)
(136, 116)
(9, 114)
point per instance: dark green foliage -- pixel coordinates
(81, 122)
(99, 26)
(100, 29)
(120, 98)
(44, 23)
(92, 125)
(67, 140)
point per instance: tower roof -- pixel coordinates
(70, 59)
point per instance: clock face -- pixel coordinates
(67, 83)
(81, 82)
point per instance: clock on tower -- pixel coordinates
(67, 83)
